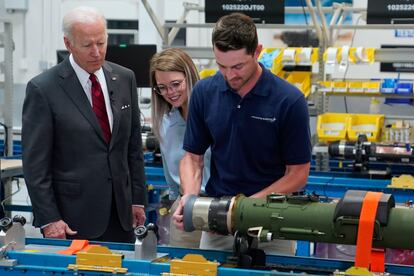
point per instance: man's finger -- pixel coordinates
(70, 231)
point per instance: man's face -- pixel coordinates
(88, 45)
(237, 66)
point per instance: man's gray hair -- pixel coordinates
(80, 15)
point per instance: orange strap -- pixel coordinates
(75, 247)
(366, 229)
(378, 260)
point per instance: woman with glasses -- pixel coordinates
(172, 77)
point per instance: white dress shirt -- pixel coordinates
(86, 83)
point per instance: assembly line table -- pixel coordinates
(10, 168)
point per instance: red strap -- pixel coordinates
(75, 247)
(378, 260)
(366, 229)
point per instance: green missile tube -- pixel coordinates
(301, 217)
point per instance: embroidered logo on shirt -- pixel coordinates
(270, 120)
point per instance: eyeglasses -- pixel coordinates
(173, 86)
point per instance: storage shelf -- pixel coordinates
(368, 94)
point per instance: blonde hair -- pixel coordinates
(169, 60)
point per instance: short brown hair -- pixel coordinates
(234, 32)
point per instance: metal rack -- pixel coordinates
(6, 42)
(327, 33)
(381, 55)
(206, 52)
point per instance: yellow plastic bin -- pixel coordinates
(332, 126)
(372, 86)
(306, 56)
(268, 51)
(276, 65)
(340, 86)
(368, 124)
(282, 74)
(325, 86)
(207, 73)
(289, 56)
(301, 80)
(356, 87)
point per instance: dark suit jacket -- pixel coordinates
(70, 171)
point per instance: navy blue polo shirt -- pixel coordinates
(253, 138)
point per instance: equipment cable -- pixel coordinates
(6, 137)
(347, 67)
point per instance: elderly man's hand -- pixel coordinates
(58, 230)
(138, 216)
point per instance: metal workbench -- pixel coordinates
(40, 258)
(10, 168)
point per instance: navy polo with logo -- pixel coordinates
(253, 138)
